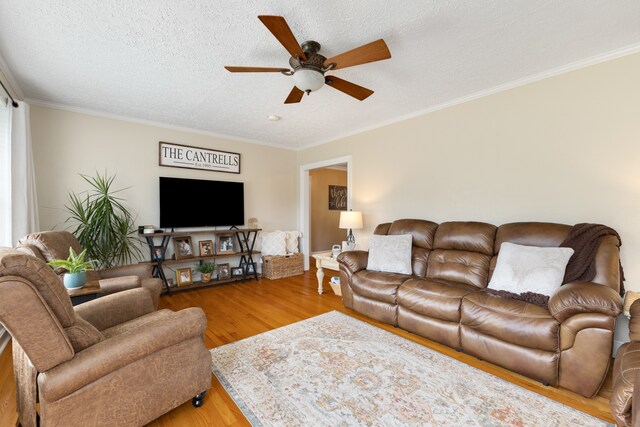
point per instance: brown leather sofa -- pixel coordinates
(50, 245)
(624, 402)
(568, 344)
(110, 361)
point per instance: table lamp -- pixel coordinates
(350, 220)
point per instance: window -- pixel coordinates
(5, 172)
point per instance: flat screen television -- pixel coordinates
(200, 203)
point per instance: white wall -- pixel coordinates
(66, 144)
(565, 149)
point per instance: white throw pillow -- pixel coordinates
(530, 269)
(391, 254)
(292, 241)
(274, 243)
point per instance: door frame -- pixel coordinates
(305, 208)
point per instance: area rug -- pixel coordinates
(334, 370)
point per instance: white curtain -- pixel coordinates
(19, 205)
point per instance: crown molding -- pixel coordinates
(584, 63)
(162, 125)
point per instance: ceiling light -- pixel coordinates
(273, 118)
(308, 80)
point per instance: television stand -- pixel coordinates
(245, 238)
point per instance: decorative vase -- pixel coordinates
(206, 277)
(75, 280)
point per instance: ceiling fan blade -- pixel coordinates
(254, 69)
(280, 29)
(295, 96)
(374, 51)
(352, 89)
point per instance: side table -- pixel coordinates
(86, 293)
(324, 260)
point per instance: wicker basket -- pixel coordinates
(279, 266)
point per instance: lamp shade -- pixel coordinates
(350, 219)
(305, 80)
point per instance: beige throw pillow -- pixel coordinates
(530, 269)
(391, 254)
(274, 243)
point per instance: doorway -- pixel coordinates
(315, 179)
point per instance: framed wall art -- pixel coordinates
(337, 198)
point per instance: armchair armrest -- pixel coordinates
(118, 284)
(114, 309)
(354, 261)
(584, 297)
(121, 350)
(143, 270)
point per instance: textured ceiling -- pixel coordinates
(162, 60)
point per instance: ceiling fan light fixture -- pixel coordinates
(308, 80)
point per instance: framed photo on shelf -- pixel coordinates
(223, 271)
(183, 276)
(182, 247)
(157, 253)
(250, 268)
(225, 244)
(206, 247)
(237, 272)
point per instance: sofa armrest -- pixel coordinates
(624, 403)
(121, 350)
(143, 270)
(114, 309)
(584, 297)
(354, 261)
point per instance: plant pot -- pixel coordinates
(206, 277)
(75, 280)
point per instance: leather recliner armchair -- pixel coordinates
(625, 401)
(110, 361)
(50, 245)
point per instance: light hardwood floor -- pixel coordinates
(237, 311)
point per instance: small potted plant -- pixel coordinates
(76, 275)
(206, 269)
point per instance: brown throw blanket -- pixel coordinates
(584, 239)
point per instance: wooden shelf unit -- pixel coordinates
(245, 237)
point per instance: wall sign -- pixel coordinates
(185, 156)
(337, 198)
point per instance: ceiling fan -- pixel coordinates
(309, 67)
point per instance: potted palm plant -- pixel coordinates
(103, 224)
(206, 269)
(76, 268)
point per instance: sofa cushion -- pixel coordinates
(422, 231)
(378, 286)
(531, 234)
(432, 298)
(465, 236)
(513, 321)
(522, 269)
(471, 268)
(391, 254)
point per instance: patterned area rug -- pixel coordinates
(334, 370)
